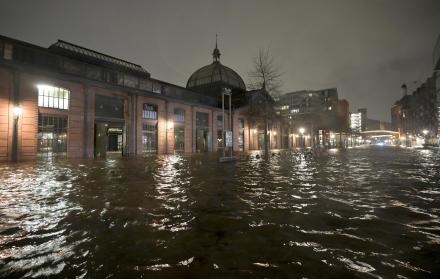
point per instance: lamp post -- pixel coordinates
(17, 113)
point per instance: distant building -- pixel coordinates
(343, 111)
(373, 125)
(364, 117)
(317, 113)
(355, 122)
(416, 112)
(358, 121)
(419, 113)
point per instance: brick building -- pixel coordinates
(67, 100)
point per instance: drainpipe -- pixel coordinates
(166, 127)
(16, 115)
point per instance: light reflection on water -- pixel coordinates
(367, 212)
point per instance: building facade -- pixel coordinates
(315, 117)
(416, 114)
(67, 100)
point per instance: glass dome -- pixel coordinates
(215, 73)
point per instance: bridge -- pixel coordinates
(380, 134)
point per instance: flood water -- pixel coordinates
(367, 212)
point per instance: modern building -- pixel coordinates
(415, 114)
(314, 116)
(67, 100)
(364, 117)
(355, 122)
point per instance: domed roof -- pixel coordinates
(215, 73)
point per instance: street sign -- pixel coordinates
(228, 138)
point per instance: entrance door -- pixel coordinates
(101, 139)
(202, 140)
(108, 138)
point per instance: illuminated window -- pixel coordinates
(52, 135)
(53, 97)
(149, 138)
(149, 112)
(179, 115)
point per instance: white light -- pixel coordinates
(170, 124)
(17, 111)
(301, 130)
(425, 132)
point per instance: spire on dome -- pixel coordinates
(216, 53)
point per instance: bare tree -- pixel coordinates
(265, 74)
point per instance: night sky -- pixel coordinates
(366, 49)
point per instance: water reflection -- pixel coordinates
(367, 212)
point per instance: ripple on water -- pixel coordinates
(362, 212)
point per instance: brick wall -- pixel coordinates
(5, 113)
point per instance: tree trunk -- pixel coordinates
(266, 138)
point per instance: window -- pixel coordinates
(109, 107)
(202, 119)
(220, 121)
(149, 138)
(52, 135)
(179, 137)
(53, 97)
(7, 51)
(149, 112)
(241, 134)
(202, 131)
(179, 115)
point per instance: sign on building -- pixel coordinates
(228, 138)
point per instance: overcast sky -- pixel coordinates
(366, 49)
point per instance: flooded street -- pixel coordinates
(368, 212)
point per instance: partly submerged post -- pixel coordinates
(227, 138)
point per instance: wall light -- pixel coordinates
(301, 130)
(17, 111)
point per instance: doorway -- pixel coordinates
(109, 138)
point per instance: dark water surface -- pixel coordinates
(367, 212)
